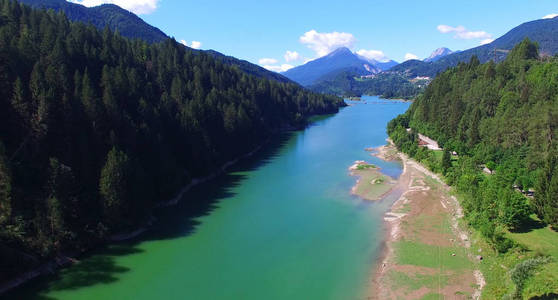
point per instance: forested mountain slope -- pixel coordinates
(131, 26)
(504, 116)
(106, 15)
(95, 129)
(544, 32)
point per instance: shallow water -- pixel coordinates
(280, 225)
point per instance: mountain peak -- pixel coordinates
(341, 59)
(438, 53)
(341, 50)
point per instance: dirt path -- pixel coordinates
(427, 254)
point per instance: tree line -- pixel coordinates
(95, 129)
(500, 116)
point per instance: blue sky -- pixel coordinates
(263, 31)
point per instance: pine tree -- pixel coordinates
(5, 187)
(446, 161)
(545, 187)
(523, 51)
(473, 130)
(63, 187)
(113, 186)
(88, 98)
(19, 103)
(177, 92)
(109, 100)
(229, 118)
(551, 206)
(55, 220)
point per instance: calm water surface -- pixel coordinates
(280, 225)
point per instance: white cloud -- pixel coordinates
(486, 41)
(462, 33)
(140, 7)
(550, 16)
(194, 45)
(267, 61)
(292, 56)
(278, 69)
(445, 28)
(324, 43)
(410, 56)
(373, 54)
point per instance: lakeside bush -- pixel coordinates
(522, 272)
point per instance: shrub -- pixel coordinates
(522, 271)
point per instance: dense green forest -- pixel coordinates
(106, 15)
(131, 26)
(95, 128)
(388, 85)
(503, 116)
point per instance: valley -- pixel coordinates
(280, 224)
(138, 161)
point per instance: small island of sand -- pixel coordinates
(371, 185)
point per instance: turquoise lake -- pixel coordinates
(280, 225)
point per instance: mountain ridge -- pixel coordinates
(116, 18)
(418, 72)
(131, 26)
(543, 31)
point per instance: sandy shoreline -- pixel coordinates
(425, 217)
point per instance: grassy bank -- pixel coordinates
(502, 267)
(428, 255)
(535, 240)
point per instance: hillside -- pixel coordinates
(502, 118)
(337, 61)
(116, 18)
(544, 32)
(131, 26)
(388, 85)
(401, 80)
(96, 129)
(246, 66)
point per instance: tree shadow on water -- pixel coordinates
(181, 220)
(97, 267)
